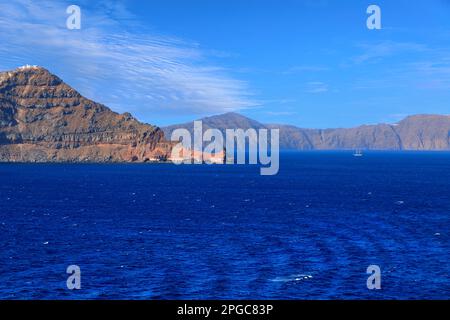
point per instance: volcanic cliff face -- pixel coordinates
(42, 119)
(414, 133)
(418, 133)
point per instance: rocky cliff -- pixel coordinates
(414, 133)
(42, 119)
(419, 132)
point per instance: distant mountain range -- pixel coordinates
(418, 132)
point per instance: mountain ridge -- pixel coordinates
(42, 119)
(421, 132)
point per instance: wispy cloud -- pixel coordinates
(428, 72)
(127, 68)
(316, 87)
(433, 74)
(376, 52)
(281, 113)
(304, 69)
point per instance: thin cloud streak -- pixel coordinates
(378, 51)
(317, 87)
(129, 71)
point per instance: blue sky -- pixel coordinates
(307, 63)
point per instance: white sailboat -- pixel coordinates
(358, 153)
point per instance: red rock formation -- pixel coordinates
(42, 119)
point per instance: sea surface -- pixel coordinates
(161, 231)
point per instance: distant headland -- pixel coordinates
(414, 133)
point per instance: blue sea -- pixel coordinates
(161, 231)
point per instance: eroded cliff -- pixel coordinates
(42, 119)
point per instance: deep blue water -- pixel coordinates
(194, 232)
